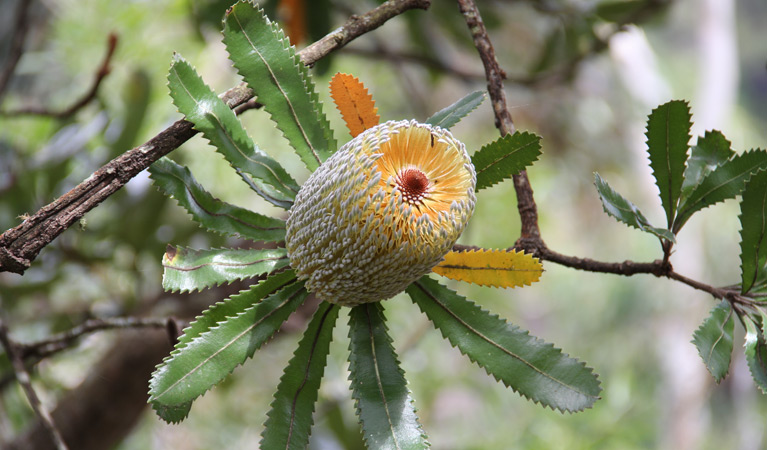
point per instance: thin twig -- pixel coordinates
(427, 61)
(530, 240)
(22, 376)
(34, 352)
(250, 104)
(21, 26)
(65, 340)
(88, 97)
(528, 211)
(20, 245)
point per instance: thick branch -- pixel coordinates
(19, 246)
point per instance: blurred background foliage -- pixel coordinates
(583, 74)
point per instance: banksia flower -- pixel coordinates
(373, 220)
(381, 212)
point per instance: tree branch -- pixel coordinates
(98, 413)
(62, 341)
(22, 376)
(530, 239)
(88, 97)
(19, 246)
(528, 211)
(17, 44)
(429, 61)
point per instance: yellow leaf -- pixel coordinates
(356, 105)
(497, 268)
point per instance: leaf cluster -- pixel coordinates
(689, 179)
(229, 332)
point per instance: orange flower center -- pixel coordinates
(413, 184)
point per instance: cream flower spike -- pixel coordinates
(381, 212)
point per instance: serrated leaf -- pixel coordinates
(496, 268)
(624, 211)
(221, 127)
(186, 269)
(713, 339)
(217, 216)
(289, 421)
(753, 230)
(355, 104)
(210, 318)
(505, 157)
(269, 65)
(235, 305)
(528, 365)
(756, 354)
(172, 413)
(711, 151)
(668, 134)
(202, 362)
(378, 384)
(763, 319)
(447, 117)
(724, 182)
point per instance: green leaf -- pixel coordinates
(289, 421)
(177, 181)
(211, 116)
(378, 384)
(724, 182)
(714, 340)
(187, 269)
(668, 134)
(762, 319)
(753, 230)
(235, 305)
(528, 365)
(200, 363)
(447, 117)
(505, 157)
(269, 65)
(624, 211)
(619, 11)
(711, 151)
(756, 354)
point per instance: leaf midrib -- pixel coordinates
(232, 142)
(223, 264)
(377, 367)
(511, 153)
(692, 206)
(494, 344)
(227, 345)
(227, 215)
(279, 86)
